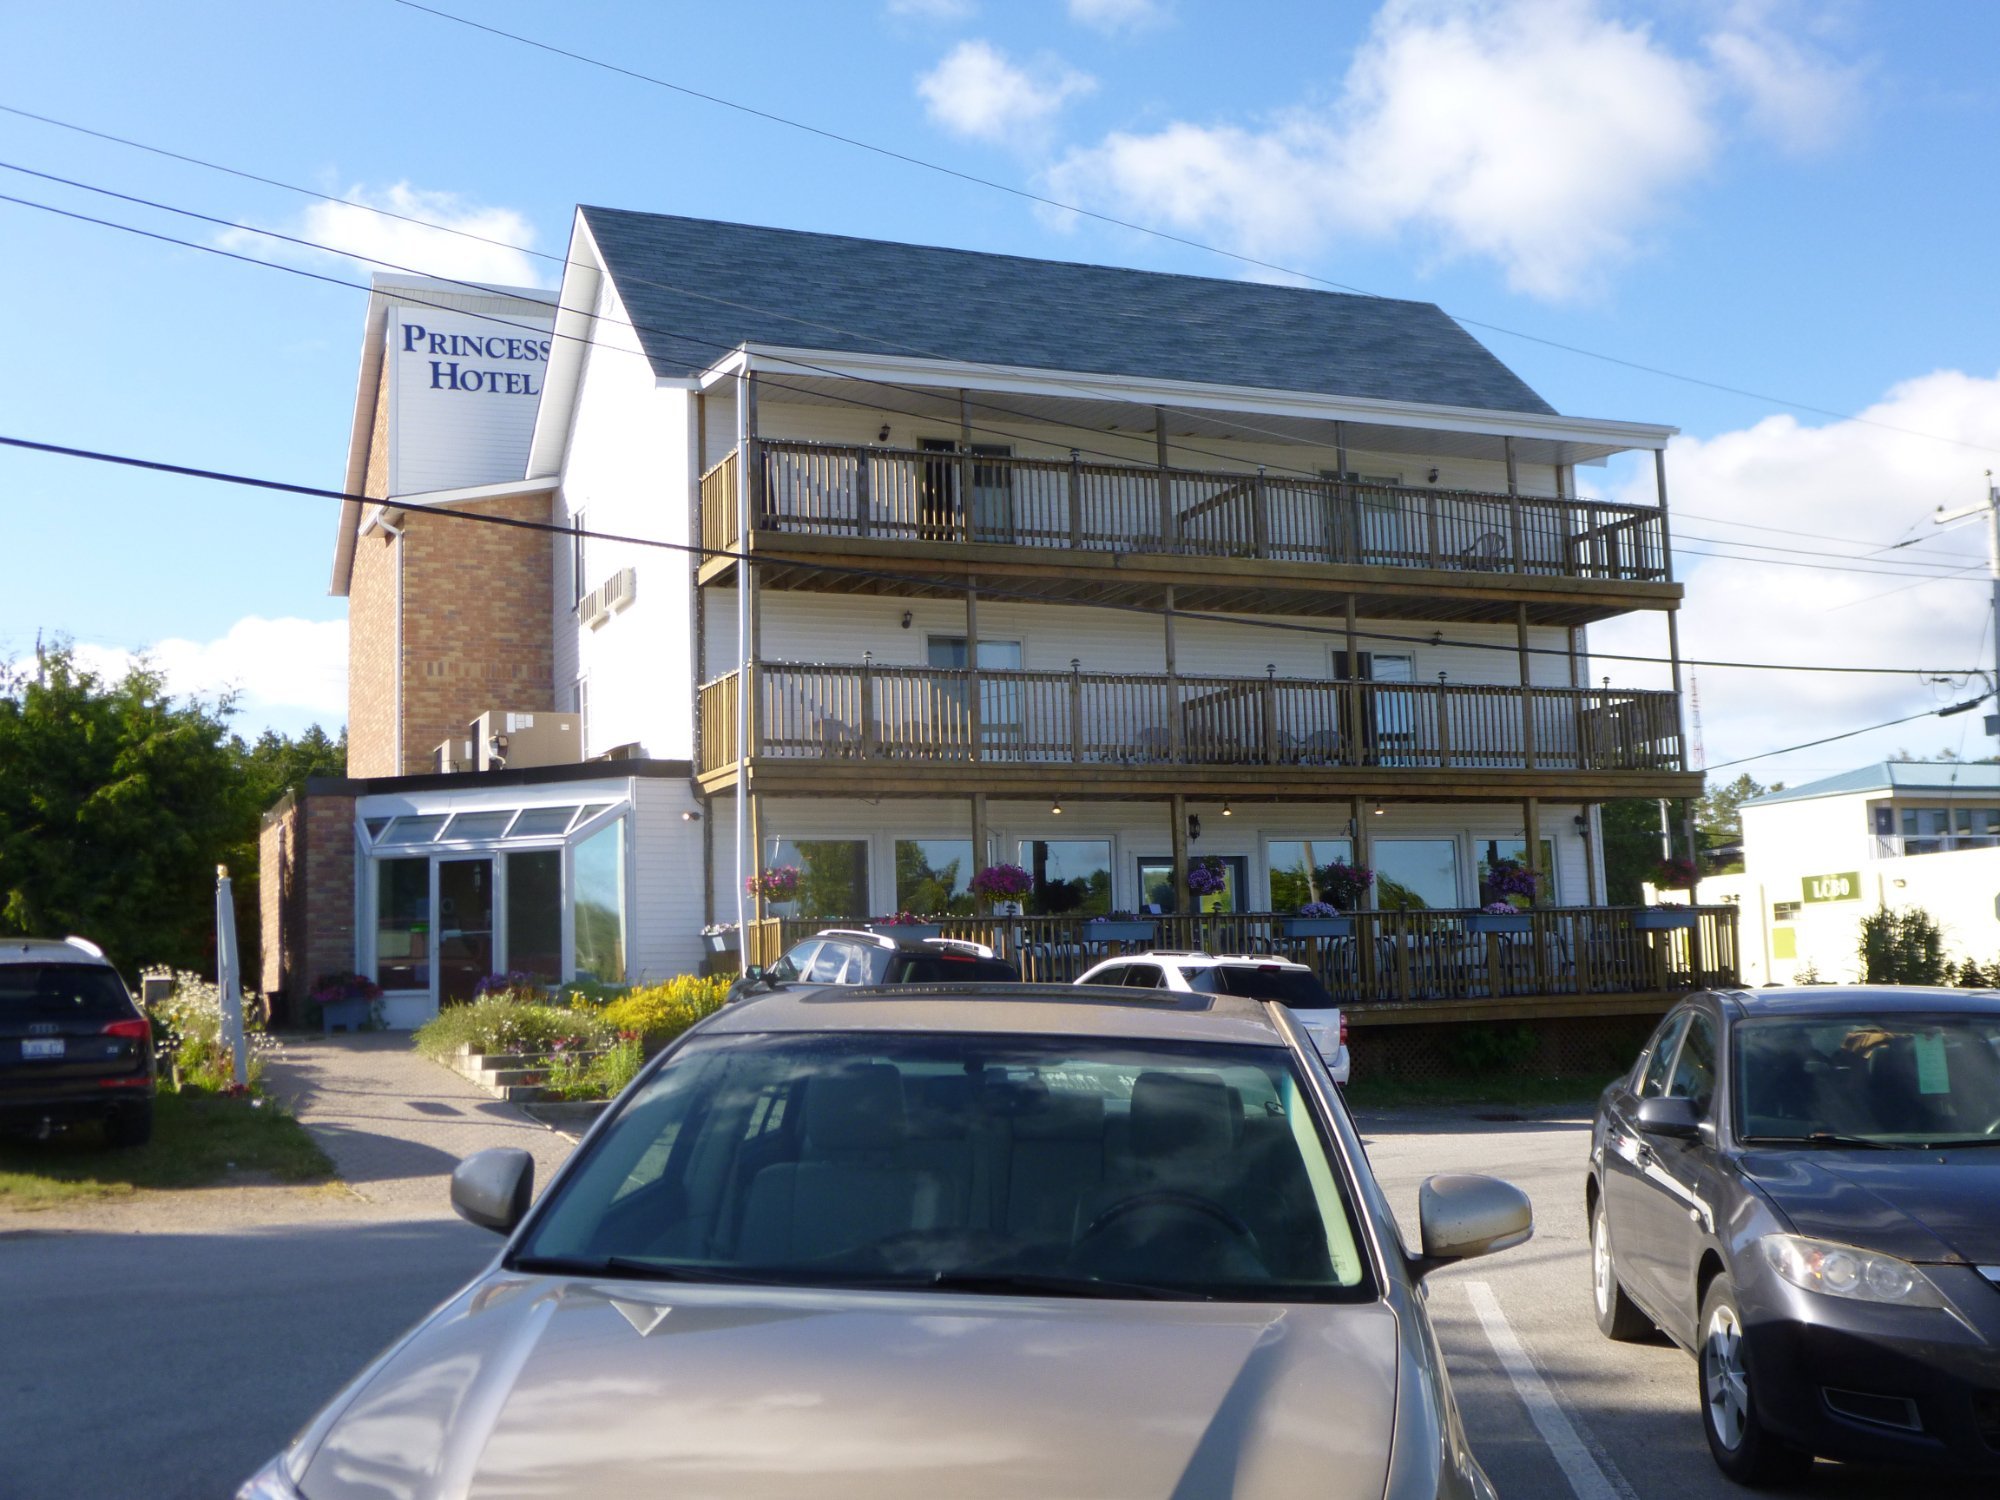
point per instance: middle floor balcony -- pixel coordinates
(877, 729)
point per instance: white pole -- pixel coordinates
(743, 663)
(227, 978)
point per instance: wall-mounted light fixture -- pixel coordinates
(690, 816)
(906, 619)
(883, 435)
(1432, 476)
(1194, 826)
(1581, 820)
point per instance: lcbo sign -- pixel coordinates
(451, 353)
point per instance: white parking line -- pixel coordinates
(1591, 1475)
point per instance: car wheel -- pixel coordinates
(1744, 1449)
(1618, 1316)
(131, 1125)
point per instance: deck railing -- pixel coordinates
(915, 714)
(1387, 957)
(824, 489)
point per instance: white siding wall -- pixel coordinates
(808, 627)
(855, 424)
(626, 469)
(666, 899)
(1820, 835)
(1139, 831)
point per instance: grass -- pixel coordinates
(1509, 1090)
(199, 1140)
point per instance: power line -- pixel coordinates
(1744, 760)
(1872, 558)
(1786, 562)
(929, 581)
(1146, 229)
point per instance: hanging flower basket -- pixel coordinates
(779, 883)
(1341, 885)
(1207, 876)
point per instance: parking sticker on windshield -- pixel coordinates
(1932, 1075)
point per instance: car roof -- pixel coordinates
(52, 951)
(1006, 1009)
(1187, 958)
(1860, 999)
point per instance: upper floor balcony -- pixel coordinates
(899, 728)
(1252, 539)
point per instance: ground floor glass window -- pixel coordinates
(1071, 877)
(833, 877)
(403, 924)
(1416, 874)
(534, 913)
(933, 875)
(599, 949)
(1295, 869)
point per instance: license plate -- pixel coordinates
(42, 1047)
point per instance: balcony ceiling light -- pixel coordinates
(1055, 808)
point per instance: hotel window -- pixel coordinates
(1295, 866)
(1416, 874)
(403, 923)
(933, 875)
(833, 878)
(599, 866)
(1071, 877)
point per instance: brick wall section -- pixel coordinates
(476, 628)
(306, 897)
(371, 658)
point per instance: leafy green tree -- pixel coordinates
(1902, 947)
(1631, 848)
(116, 803)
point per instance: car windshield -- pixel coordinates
(1893, 1079)
(1045, 1166)
(1294, 987)
(61, 992)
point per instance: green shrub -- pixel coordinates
(660, 1012)
(581, 992)
(499, 1024)
(601, 1075)
(1902, 947)
(1489, 1046)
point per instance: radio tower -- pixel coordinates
(1694, 707)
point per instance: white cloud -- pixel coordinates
(976, 91)
(1850, 479)
(1541, 135)
(1793, 91)
(454, 239)
(280, 669)
(1117, 15)
(932, 10)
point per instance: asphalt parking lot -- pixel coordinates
(169, 1362)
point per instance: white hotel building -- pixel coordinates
(889, 563)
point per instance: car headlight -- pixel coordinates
(1843, 1271)
(272, 1482)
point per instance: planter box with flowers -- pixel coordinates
(1119, 928)
(347, 1002)
(906, 927)
(723, 937)
(1499, 917)
(1665, 918)
(1317, 919)
(1003, 886)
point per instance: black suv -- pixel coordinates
(73, 1043)
(843, 956)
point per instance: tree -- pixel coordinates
(1902, 947)
(1631, 847)
(115, 805)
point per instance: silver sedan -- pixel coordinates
(904, 1242)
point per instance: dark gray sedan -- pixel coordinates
(1802, 1188)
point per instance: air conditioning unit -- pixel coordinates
(610, 596)
(500, 738)
(453, 756)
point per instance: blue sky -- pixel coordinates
(1782, 198)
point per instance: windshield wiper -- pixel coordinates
(626, 1265)
(1950, 1144)
(1827, 1138)
(1033, 1284)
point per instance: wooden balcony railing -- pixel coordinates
(916, 714)
(1388, 957)
(819, 489)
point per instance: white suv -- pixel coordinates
(1254, 976)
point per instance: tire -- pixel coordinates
(1618, 1316)
(1743, 1447)
(131, 1125)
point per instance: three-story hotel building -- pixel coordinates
(883, 564)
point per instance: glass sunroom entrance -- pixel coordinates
(448, 898)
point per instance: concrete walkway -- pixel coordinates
(396, 1123)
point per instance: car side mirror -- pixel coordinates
(1461, 1216)
(1674, 1117)
(493, 1188)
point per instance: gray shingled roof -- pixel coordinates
(697, 288)
(1893, 776)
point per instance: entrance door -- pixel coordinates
(1391, 728)
(1000, 727)
(464, 926)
